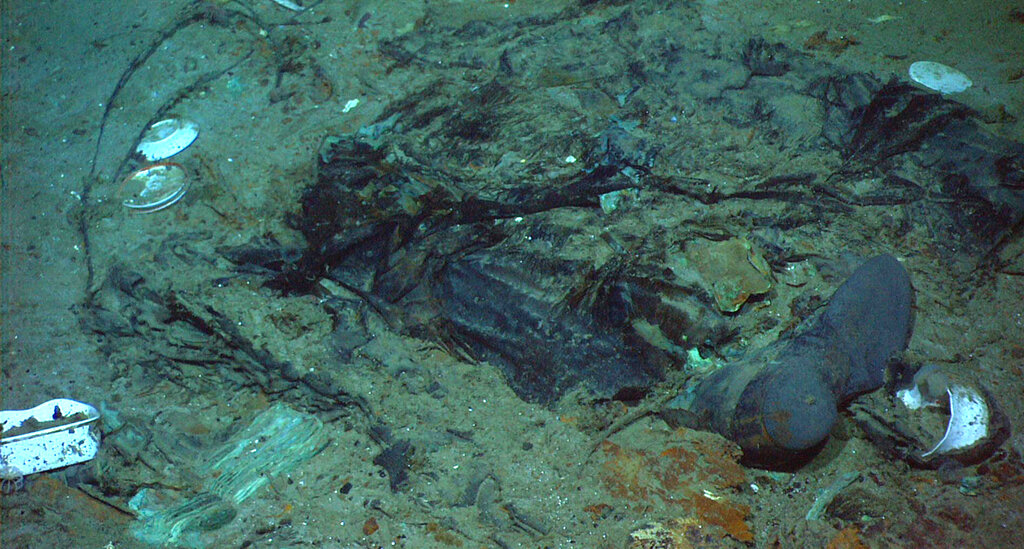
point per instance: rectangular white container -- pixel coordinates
(55, 443)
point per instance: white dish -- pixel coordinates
(167, 138)
(939, 77)
(155, 188)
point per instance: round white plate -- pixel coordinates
(167, 138)
(155, 188)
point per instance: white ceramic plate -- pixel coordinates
(167, 138)
(939, 77)
(155, 188)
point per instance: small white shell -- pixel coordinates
(167, 138)
(939, 77)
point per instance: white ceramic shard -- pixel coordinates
(55, 434)
(968, 421)
(912, 398)
(155, 188)
(941, 78)
(930, 388)
(167, 138)
(288, 4)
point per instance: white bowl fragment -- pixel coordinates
(971, 422)
(968, 421)
(941, 78)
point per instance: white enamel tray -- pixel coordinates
(55, 434)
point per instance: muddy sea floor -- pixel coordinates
(345, 404)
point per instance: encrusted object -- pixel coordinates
(11, 479)
(733, 270)
(678, 533)
(665, 477)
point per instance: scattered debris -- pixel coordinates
(828, 494)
